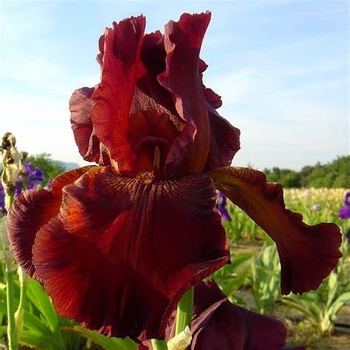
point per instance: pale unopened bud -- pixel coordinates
(181, 341)
(11, 160)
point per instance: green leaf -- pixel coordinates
(39, 341)
(240, 259)
(231, 285)
(338, 303)
(332, 287)
(42, 302)
(296, 305)
(106, 343)
(34, 324)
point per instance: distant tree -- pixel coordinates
(286, 177)
(332, 175)
(305, 173)
(51, 168)
(291, 179)
(342, 181)
(273, 175)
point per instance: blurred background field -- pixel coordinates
(319, 319)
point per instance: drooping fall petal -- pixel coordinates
(219, 324)
(307, 253)
(31, 210)
(126, 251)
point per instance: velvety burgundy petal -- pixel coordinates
(224, 141)
(224, 138)
(307, 253)
(212, 97)
(31, 210)
(126, 251)
(121, 68)
(182, 77)
(153, 53)
(152, 126)
(90, 148)
(153, 56)
(218, 324)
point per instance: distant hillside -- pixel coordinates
(68, 166)
(331, 175)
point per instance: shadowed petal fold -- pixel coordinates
(90, 147)
(307, 253)
(224, 141)
(219, 324)
(126, 251)
(31, 210)
(182, 77)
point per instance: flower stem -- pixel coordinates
(159, 344)
(19, 314)
(11, 322)
(184, 312)
(11, 164)
(9, 199)
(11, 327)
(9, 267)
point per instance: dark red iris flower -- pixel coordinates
(116, 245)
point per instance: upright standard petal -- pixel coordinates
(121, 68)
(224, 138)
(90, 147)
(182, 77)
(31, 210)
(126, 251)
(219, 324)
(224, 141)
(307, 253)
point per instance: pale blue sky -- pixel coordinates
(281, 67)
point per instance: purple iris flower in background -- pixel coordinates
(2, 201)
(344, 212)
(31, 176)
(221, 205)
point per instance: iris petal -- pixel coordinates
(307, 253)
(121, 68)
(90, 148)
(182, 77)
(219, 324)
(126, 251)
(153, 125)
(31, 210)
(224, 141)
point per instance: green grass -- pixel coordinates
(309, 317)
